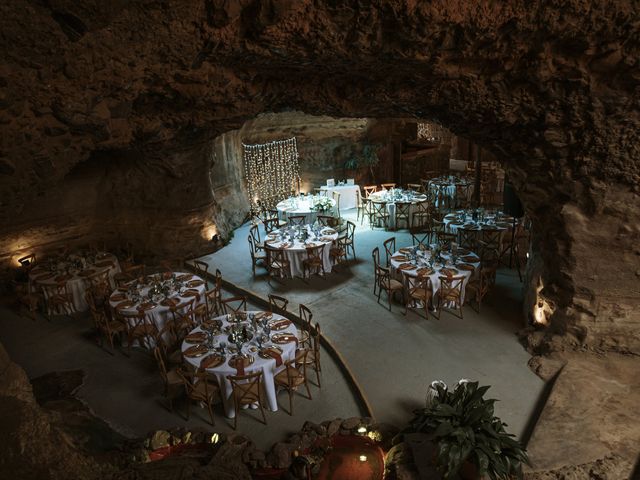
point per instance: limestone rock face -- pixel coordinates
(134, 92)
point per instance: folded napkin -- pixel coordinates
(190, 293)
(282, 338)
(273, 353)
(449, 272)
(125, 304)
(183, 277)
(195, 351)
(212, 361)
(279, 324)
(261, 315)
(406, 250)
(469, 258)
(406, 266)
(196, 337)
(239, 363)
(424, 271)
(329, 231)
(118, 297)
(195, 283)
(465, 266)
(146, 306)
(400, 258)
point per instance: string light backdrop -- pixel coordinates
(271, 171)
(433, 132)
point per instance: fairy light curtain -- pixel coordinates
(433, 132)
(271, 171)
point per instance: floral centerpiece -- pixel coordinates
(322, 204)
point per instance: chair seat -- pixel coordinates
(116, 326)
(304, 336)
(259, 256)
(144, 330)
(419, 293)
(173, 378)
(393, 285)
(310, 358)
(282, 378)
(313, 262)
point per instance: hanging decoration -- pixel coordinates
(272, 172)
(432, 132)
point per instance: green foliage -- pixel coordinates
(367, 157)
(465, 428)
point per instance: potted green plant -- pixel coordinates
(367, 157)
(470, 440)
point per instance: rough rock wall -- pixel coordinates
(550, 87)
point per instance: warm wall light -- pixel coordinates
(363, 458)
(27, 260)
(543, 308)
(362, 430)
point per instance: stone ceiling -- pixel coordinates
(551, 87)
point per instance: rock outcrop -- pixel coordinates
(141, 88)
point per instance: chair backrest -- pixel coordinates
(445, 238)
(305, 316)
(402, 209)
(271, 224)
(351, 230)
(369, 189)
(451, 288)
(389, 248)
(255, 234)
(58, 288)
(252, 246)
(328, 221)
(201, 268)
(314, 252)
(492, 237)
(244, 387)
(316, 336)
(162, 368)
(211, 301)
(375, 253)
(297, 219)
(421, 236)
(277, 303)
(388, 186)
(234, 304)
(414, 186)
(299, 364)
(193, 380)
(276, 258)
(384, 276)
(422, 282)
(468, 238)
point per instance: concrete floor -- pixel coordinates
(127, 392)
(394, 357)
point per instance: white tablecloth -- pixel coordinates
(77, 284)
(295, 206)
(435, 276)
(267, 365)
(348, 195)
(296, 253)
(453, 222)
(161, 313)
(387, 196)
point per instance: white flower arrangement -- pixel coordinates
(322, 204)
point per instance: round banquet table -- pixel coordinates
(460, 219)
(396, 195)
(219, 329)
(160, 312)
(412, 268)
(296, 206)
(295, 249)
(77, 280)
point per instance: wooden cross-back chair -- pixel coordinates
(277, 263)
(294, 375)
(277, 303)
(108, 329)
(234, 304)
(258, 258)
(172, 381)
(297, 220)
(376, 261)
(403, 210)
(468, 238)
(482, 283)
(305, 316)
(313, 260)
(421, 291)
(200, 387)
(247, 390)
(140, 328)
(379, 214)
(388, 284)
(450, 295)
(389, 249)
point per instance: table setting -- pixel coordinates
(400, 195)
(75, 269)
(239, 344)
(446, 185)
(156, 294)
(295, 239)
(434, 262)
(309, 205)
(477, 219)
